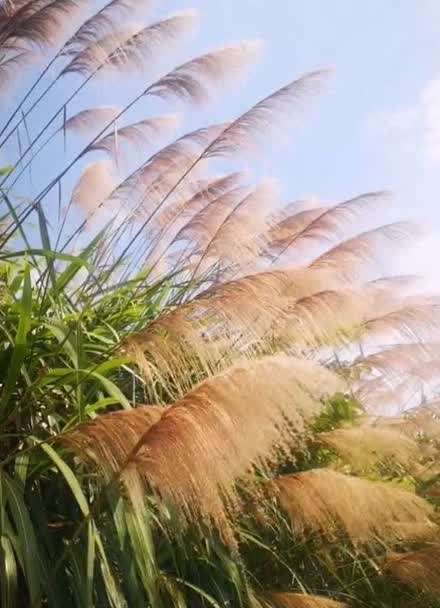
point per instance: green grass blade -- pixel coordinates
(45, 239)
(26, 536)
(20, 346)
(8, 570)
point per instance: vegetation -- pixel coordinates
(202, 388)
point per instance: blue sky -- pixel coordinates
(378, 124)
(385, 55)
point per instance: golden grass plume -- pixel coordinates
(418, 568)
(107, 441)
(366, 446)
(228, 425)
(326, 502)
(299, 600)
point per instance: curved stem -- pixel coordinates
(30, 161)
(50, 121)
(26, 97)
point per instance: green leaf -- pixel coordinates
(93, 537)
(7, 170)
(16, 219)
(211, 601)
(20, 346)
(46, 253)
(8, 570)
(64, 335)
(81, 261)
(26, 536)
(72, 376)
(45, 239)
(112, 390)
(90, 568)
(68, 475)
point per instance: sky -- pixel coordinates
(376, 126)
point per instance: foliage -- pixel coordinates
(196, 404)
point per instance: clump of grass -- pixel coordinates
(176, 343)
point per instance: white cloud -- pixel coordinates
(412, 129)
(406, 147)
(429, 109)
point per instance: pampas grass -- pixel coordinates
(261, 337)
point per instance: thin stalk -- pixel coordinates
(30, 161)
(26, 97)
(49, 122)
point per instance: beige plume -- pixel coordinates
(239, 240)
(100, 24)
(177, 157)
(130, 46)
(206, 191)
(226, 426)
(398, 359)
(36, 23)
(326, 318)
(191, 337)
(91, 119)
(26, 25)
(244, 133)
(332, 224)
(326, 502)
(416, 318)
(108, 440)
(193, 80)
(94, 186)
(367, 446)
(284, 232)
(363, 253)
(299, 600)
(138, 134)
(419, 569)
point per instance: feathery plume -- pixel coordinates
(138, 134)
(332, 224)
(92, 118)
(199, 230)
(417, 568)
(139, 50)
(361, 253)
(37, 23)
(209, 439)
(239, 239)
(299, 600)
(184, 204)
(98, 25)
(330, 317)
(130, 47)
(367, 446)
(191, 337)
(193, 80)
(398, 359)
(289, 227)
(94, 186)
(244, 133)
(176, 158)
(206, 191)
(325, 501)
(108, 440)
(414, 319)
